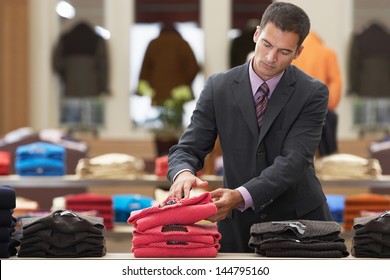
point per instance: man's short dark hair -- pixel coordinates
(287, 17)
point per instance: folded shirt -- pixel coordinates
(7, 197)
(63, 221)
(6, 217)
(42, 249)
(62, 234)
(380, 224)
(370, 250)
(4, 250)
(161, 166)
(372, 236)
(63, 240)
(176, 249)
(40, 159)
(110, 165)
(5, 161)
(298, 238)
(200, 233)
(124, 204)
(283, 247)
(88, 199)
(347, 166)
(173, 211)
(296, 229)
(40, 150)
(40, 167)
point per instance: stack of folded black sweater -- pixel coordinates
(372, 236)
(8, 240)
(298, 238)
(62, 234)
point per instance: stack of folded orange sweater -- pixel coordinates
(172, 229)
(355, 204)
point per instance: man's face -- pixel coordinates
(275, 50)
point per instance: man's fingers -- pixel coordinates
(201, 183)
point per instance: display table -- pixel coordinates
(220, 256)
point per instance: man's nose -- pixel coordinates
(272, 56)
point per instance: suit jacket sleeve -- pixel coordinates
(199, 138)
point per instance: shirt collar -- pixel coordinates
(256, 81)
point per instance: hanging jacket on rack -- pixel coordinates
(369, 63)
(81, 60)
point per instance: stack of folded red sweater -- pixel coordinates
(5, 162)
(91, 201)
(161, 166)
(172, 229)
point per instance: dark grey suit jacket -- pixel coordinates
(276, 164)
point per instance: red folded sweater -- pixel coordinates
(176, 249)
(89, 198)
(173, 211)
(200, 233)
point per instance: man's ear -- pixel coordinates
(299, 51)
(256, 34)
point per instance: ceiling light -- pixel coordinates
(65, 10)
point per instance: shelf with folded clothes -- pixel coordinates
(380, 182)
(153, 180)
(76, 181)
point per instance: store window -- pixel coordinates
(80, 58)
(368, 66)
(151, 17)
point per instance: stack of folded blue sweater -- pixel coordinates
(40, 159)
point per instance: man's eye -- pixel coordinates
(266, 44)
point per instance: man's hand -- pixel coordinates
(225, 200)
(183, 184)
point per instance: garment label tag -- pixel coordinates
(67, 213)
(293, 224)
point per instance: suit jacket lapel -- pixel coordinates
(279, 98)
(242, 94)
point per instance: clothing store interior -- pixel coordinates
(92, 98)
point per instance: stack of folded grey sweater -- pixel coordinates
(372, 236)
(298, 238)
(62, 234)
(9, 240)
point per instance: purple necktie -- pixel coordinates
(261, 100)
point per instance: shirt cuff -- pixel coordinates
(177, 174)
(248, 201)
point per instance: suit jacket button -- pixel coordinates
(259, 152)
(263, 216)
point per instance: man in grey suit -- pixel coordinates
(268, 169)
